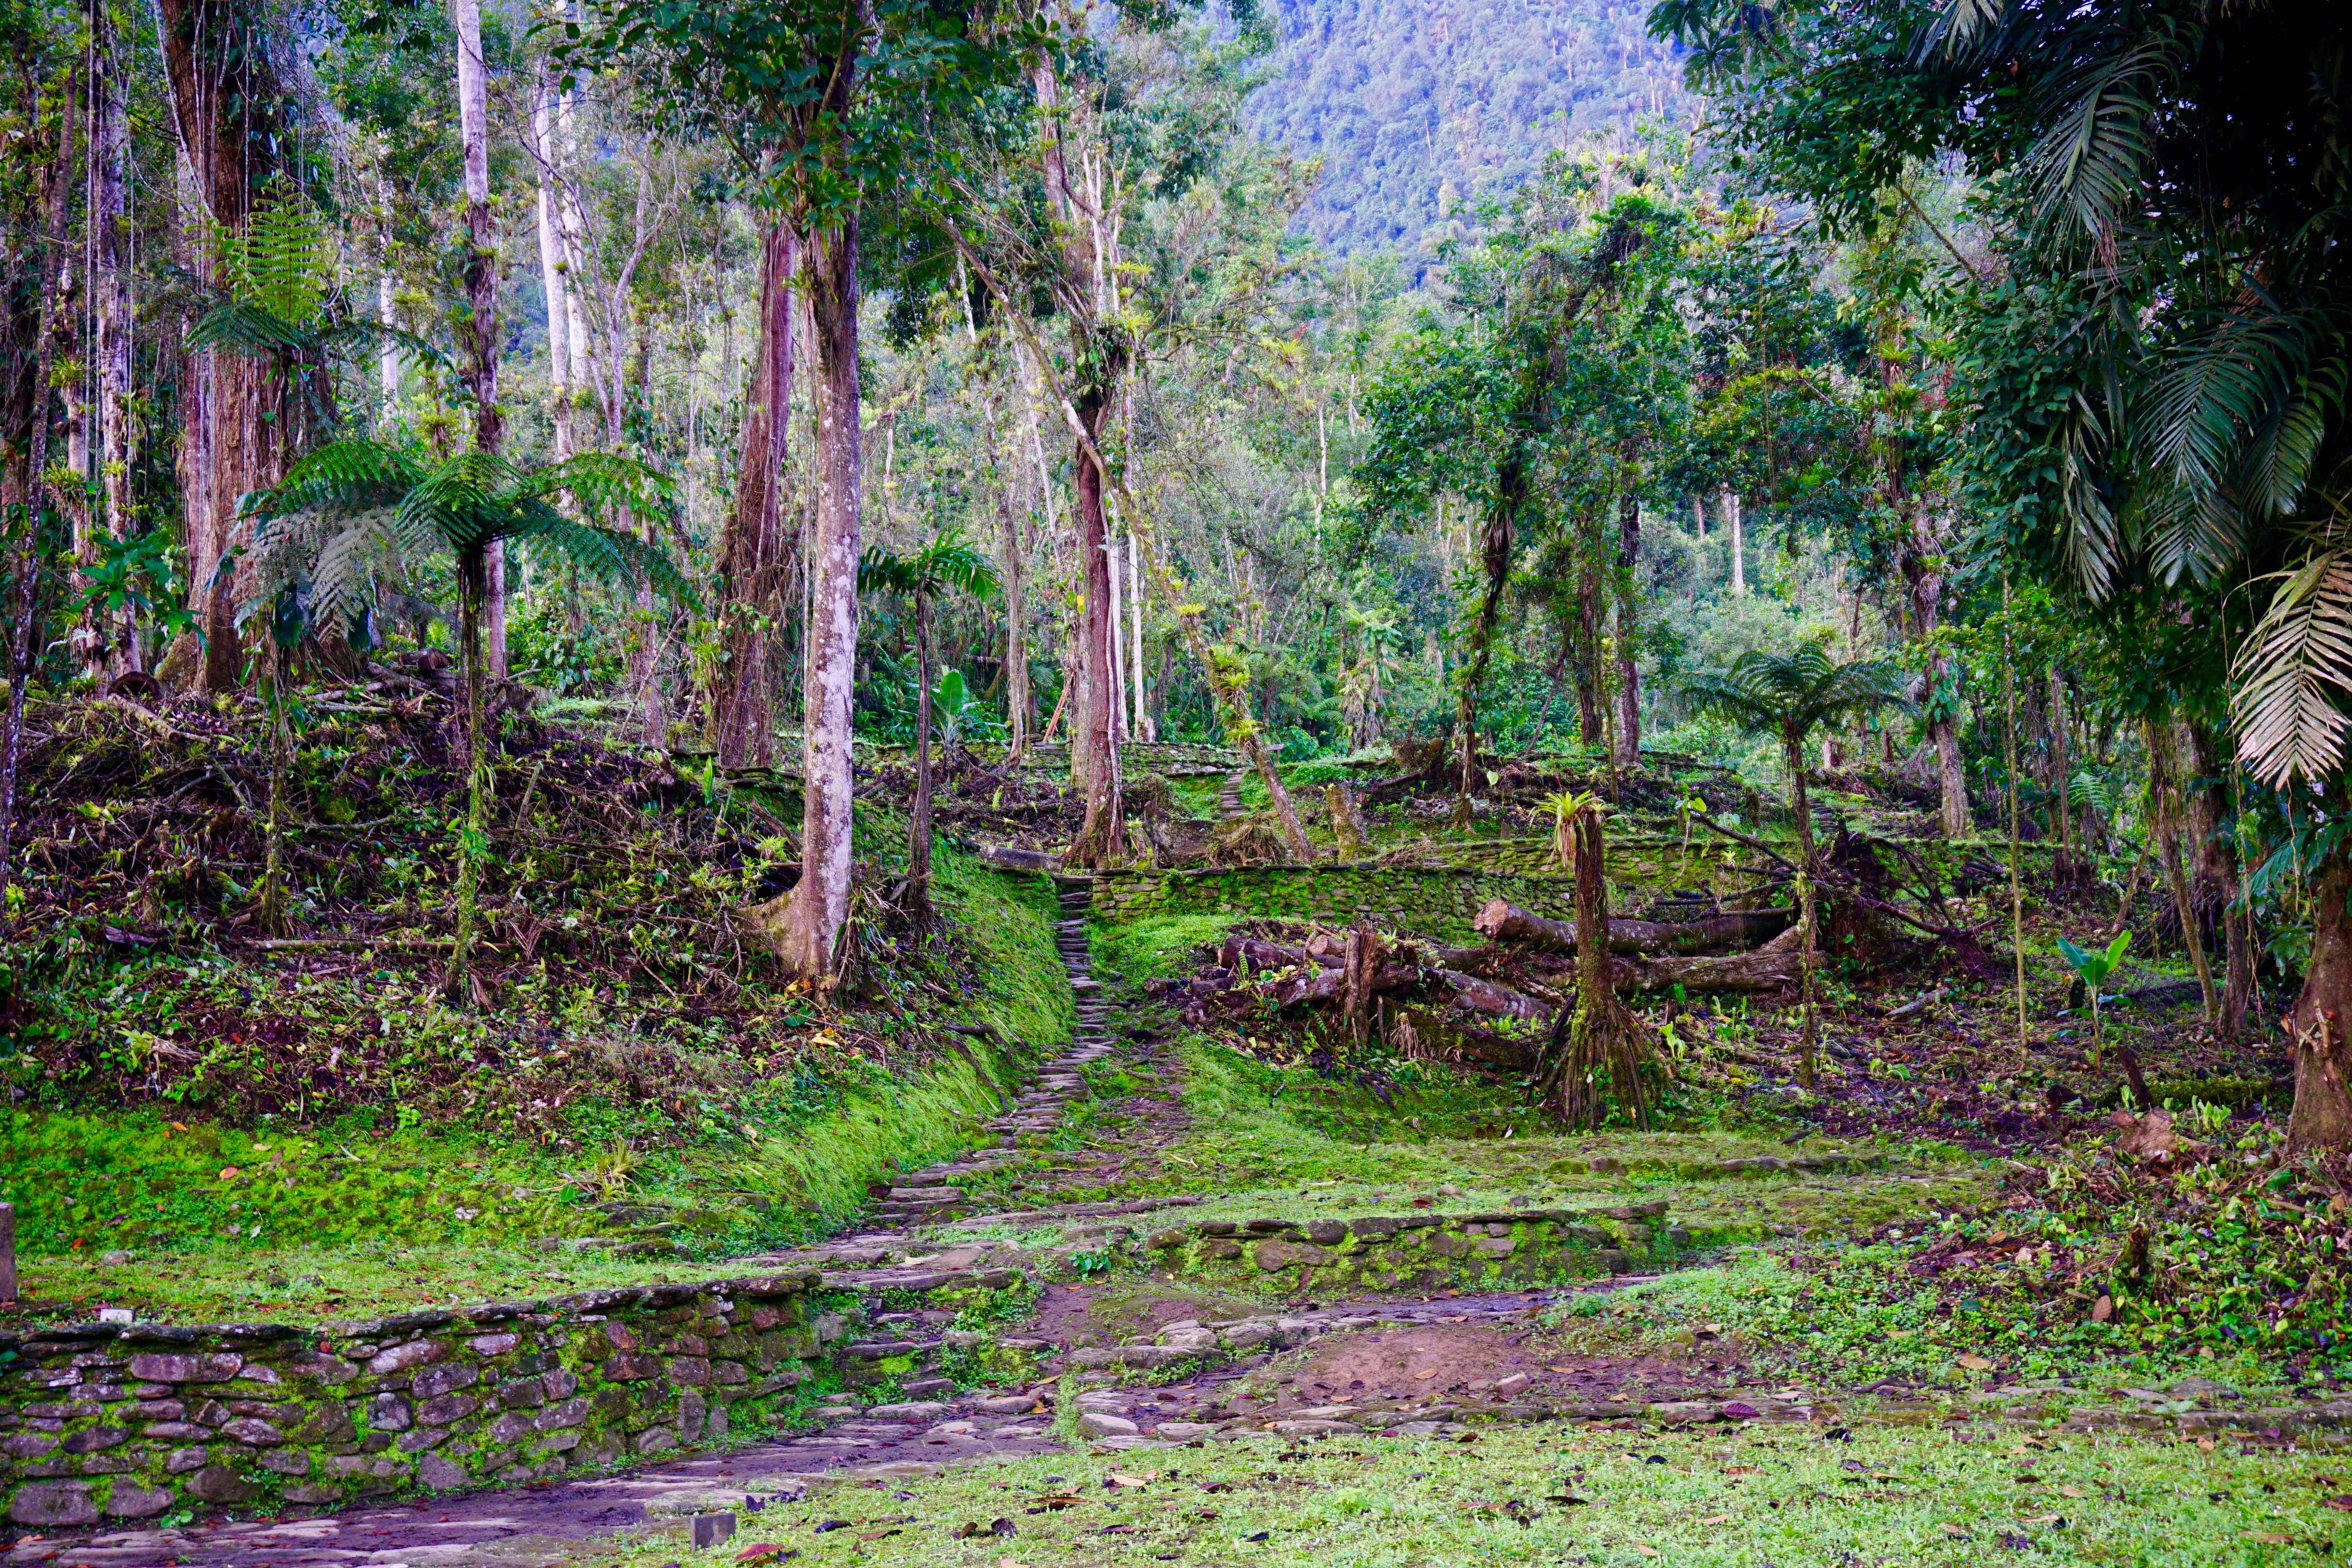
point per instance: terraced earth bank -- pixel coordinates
(1183, 1302)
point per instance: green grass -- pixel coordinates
(388, 1207)
(1711, 1498)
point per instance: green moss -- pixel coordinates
(1705, 1496)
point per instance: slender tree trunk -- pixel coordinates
(2321, 1020)
(754, 552)
(1923, 576)
(387, 359)
(819, 903)
(1122, 722)
(2061, 769)
(1629, 675)
(482, 273)
(2208, 817)
(555, 270)
(24, 564)
(471, 575)
(1102, 839)
(1699, 515)
(111, 157)
(919, 840)
(2164, 800)
(2016, 874)
(1591, 730)
(1144, 728)
(1729, 501)
(1809, 1044)
(1497, 542)
(481, 571)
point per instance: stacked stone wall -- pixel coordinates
(101, 1421)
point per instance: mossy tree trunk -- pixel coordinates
(1594, 1035)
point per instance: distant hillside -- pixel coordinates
(1414, 104)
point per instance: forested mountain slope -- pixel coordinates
(1415, 104)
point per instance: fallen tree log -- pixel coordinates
(1502, 920)
(1487, 996)
(1778, 965)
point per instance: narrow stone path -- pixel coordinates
(1229, 802)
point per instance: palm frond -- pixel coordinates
(2293, 673)
(948, 562)
(2091, 162)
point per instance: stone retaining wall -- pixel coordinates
(101, 1421)
(1430, 901)
(1427, 1252)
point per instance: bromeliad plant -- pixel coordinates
(2094, 965)
(356, 511)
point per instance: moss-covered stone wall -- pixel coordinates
(1431, 902)
(1426, 1251)
(99, 1421)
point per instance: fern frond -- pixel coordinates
(603, 484)
(241, 327)
(608, 553)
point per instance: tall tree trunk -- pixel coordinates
(1497, 544)
(2164, 802)
(387, 357)
(111, 157)
(1923, 574)
(24, 564)
(1629, 675)
(754, 551)
(1102, 838)
(2214, 847)
(554, 269)
(820, 903)
(1019, 706)
(2061, 772)
(1586, 666)
(1730, 504)
(2320, 1023)
(227, 107)
(1808, 1042)
(481, 571)
(1144, 728)
(918, 838)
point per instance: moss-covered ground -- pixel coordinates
(164, 1210)
(1742, 1497)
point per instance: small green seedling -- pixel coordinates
(2093, 967)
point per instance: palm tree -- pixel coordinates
(1790, 696)
(948, 562)
(356, 507)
